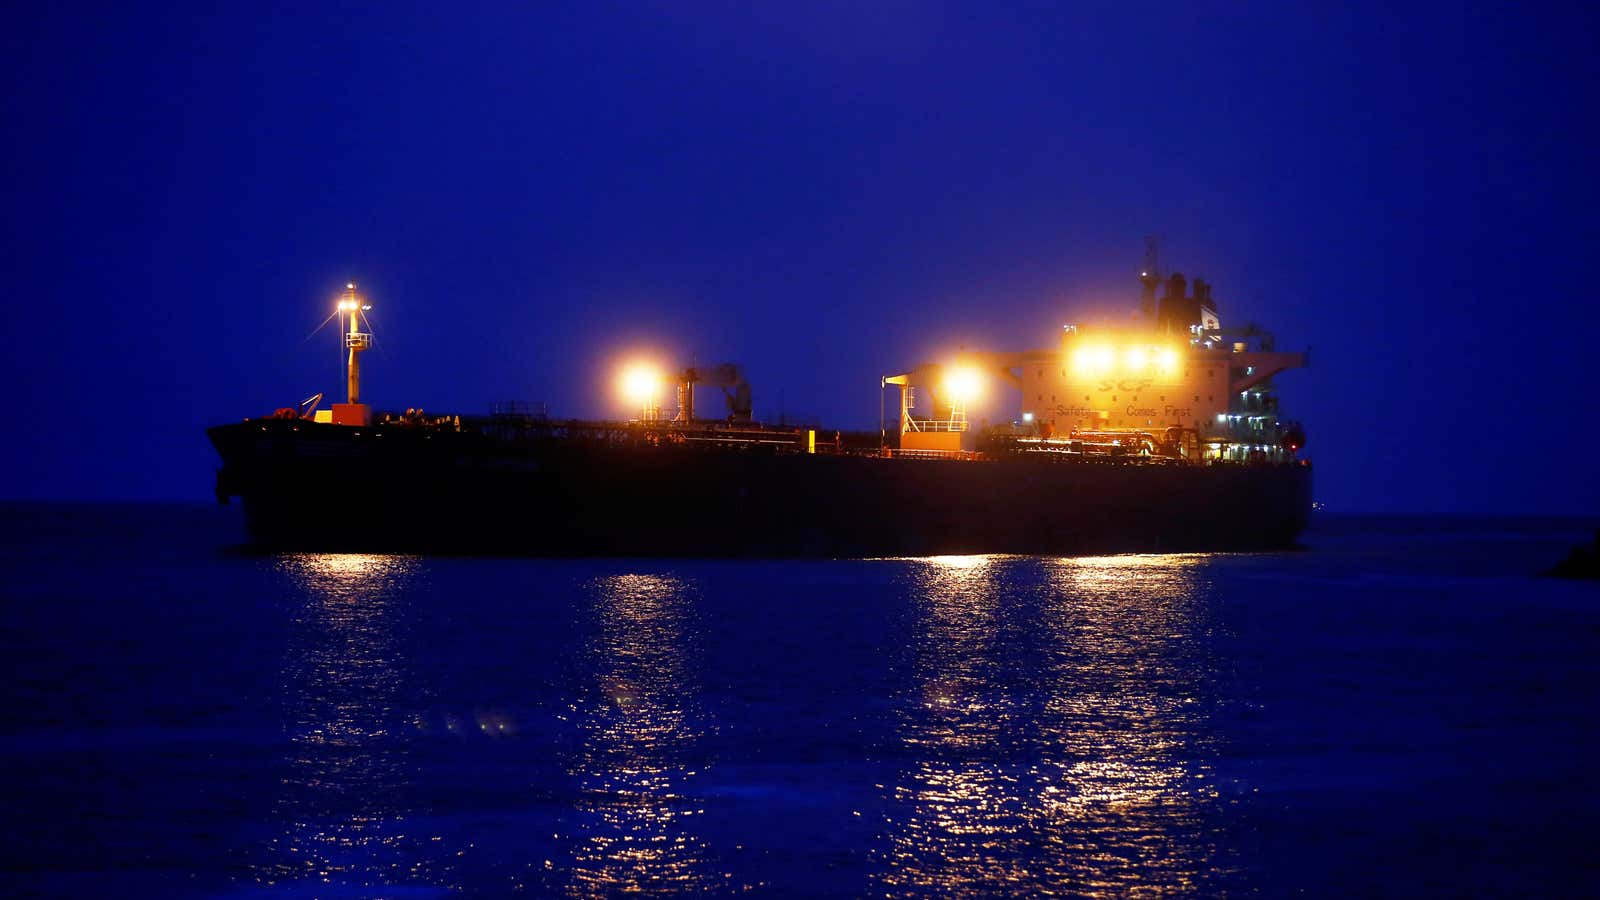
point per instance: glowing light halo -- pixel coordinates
(640, 383)
(1167, 361)
(963, 384)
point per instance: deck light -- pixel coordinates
(1093, 359)
(963, 384)
(640, 383)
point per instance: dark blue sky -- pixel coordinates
(822, 192)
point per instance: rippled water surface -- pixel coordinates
(1401, 708)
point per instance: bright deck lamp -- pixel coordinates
(641, 385)
(963, 385)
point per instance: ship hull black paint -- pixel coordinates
(315, 487)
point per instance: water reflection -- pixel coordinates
(641, 726)
(1131, 808)
(1056, 733)
(957, 823)
(341, 808)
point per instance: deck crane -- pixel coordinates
(735, 390)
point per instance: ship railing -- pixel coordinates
(1099, 457)
(896, 453)
(737, 440)
(935, 425)
(518, 409)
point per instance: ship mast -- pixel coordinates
(353, 411)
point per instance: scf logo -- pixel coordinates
(1127, 385)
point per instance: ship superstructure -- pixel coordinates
(1171, 383)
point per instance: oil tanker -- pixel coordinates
(1160, 434)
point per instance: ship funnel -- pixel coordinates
(1176, 287)
(1174, 315)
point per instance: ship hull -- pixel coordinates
(331, 488)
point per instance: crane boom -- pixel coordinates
(735, 390)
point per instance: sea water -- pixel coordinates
(1405, 706)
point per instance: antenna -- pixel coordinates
(1149, 277)
(1152, 257)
